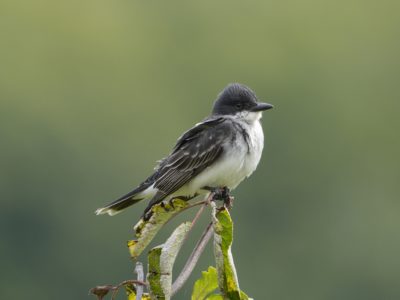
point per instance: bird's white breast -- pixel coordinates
(256, 137)
(238, 161)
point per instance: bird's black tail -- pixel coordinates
(118, 205)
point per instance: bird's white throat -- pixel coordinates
(249, 116)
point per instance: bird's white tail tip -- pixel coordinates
(105, 210)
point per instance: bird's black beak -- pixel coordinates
(261, 106)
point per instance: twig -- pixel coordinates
(140, 277)
(198, 214)
(102, 290)
(196, 204)
(190, 205)
(203, 204)
(123, 283)
(193, 259)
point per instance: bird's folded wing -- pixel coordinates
(195, 150)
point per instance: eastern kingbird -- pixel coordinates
(218, 152)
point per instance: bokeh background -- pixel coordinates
(94, 92)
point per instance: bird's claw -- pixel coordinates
(228, 202)
(221, 194)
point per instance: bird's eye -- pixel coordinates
(239, 105)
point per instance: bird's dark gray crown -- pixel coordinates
(234, 98)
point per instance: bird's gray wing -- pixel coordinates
(195, 150)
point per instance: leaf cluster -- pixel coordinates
(216, 283)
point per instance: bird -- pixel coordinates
(217, 153)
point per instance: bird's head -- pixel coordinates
(239, 101)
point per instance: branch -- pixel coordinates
(124, 283)
(146, 229)
(101, 290)
(198, 249)
(193, 259)
(140, 277)
(162, 213)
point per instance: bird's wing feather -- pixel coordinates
(195, 150)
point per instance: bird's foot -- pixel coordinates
(228, 202)
(222, 194)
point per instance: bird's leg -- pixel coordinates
(226, 197)
(221, 194)
(225, 193)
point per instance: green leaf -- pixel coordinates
(223, 236)
(145, 231)
(132, 296)
(131, 293)
(215, 297)
(154, 273)
(206, 284)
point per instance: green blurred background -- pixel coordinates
(94, 92)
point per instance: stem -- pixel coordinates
(192, 260)
(140, 277)
(125, 282)
(199, 248)
(203, 204)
